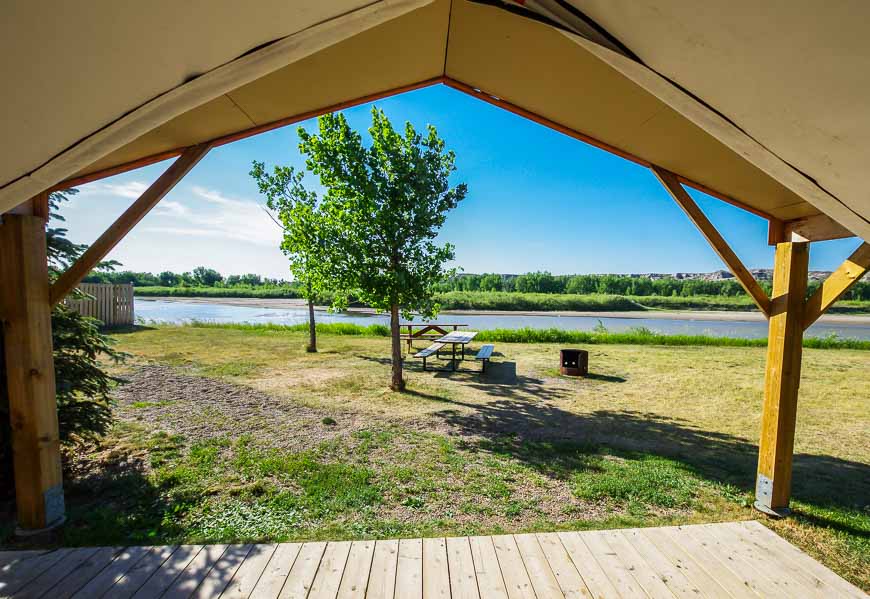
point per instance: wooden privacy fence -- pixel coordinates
(113, 304)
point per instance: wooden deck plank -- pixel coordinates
(590, 570)
(106, 579)
(436, 577)
(84, 572)
(409, 569)
(810, 575)
(490, 581)
(692, 570)
(246, 577)
(275, 573)
(27, 568)
(615, 569)
(195, 572)
(737, 559)
(329, 574)
(793, 580)
(570, 581)
(460, 567)
(382, 577)
(165, 575)
(668, 572)
(7, 558)
(141, 571)
(704, 548)
(725, 572)
(301, 576)
(540, 573)
(57, 572)
(766, 575)
(355, 579)
(768, 538)
(222, 572)
(642, 572)
(513, 570)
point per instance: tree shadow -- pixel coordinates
(605, 378)
(522, 425)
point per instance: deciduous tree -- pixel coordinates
(391, 198)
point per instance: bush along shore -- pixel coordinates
(636, 336)
(515, 301)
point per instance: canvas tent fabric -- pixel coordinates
(762, 104)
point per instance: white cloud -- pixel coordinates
(130, 190)
(170, 208)
(220, 217)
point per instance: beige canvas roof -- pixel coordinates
(762, 105)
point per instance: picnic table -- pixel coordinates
(461, 338)
(425, 330)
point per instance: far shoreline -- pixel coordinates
(702, 315)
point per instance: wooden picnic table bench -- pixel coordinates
(425, 353)
(484, 355)
(426, 331)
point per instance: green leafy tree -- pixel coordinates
(391, 199)
(207, 277)
(310, 235)
(82, 384)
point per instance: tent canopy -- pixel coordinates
(763, 105)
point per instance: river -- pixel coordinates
(179, 311)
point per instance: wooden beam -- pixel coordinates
(744, 277)
(231, 137)
(838, 283)
(116, 232)
(26, 316)
(819, 227)
(782, 378)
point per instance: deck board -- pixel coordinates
(736, 559)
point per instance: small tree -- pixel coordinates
(391, 199)
(310, 235)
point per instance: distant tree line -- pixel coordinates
(198, 277)
(533, 282)
(544, 282)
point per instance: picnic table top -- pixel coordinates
(431, 324)
(458, 337)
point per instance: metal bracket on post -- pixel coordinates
(764, 497)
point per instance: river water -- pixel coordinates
(178, 312)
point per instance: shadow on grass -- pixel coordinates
(522, 422)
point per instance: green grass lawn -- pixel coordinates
(237, 434)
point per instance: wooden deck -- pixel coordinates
(738, 559)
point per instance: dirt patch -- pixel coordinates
(199, 408)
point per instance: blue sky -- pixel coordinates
(537, 200)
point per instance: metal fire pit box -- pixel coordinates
(574, 362)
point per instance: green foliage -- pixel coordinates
(391, 199)
(311, 233)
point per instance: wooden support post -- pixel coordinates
(716, 241)
(116, 232)
(26, 316)
(838, 283)
(782, 379)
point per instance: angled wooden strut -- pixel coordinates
(838, 283)
(744, 277)
(116, 232)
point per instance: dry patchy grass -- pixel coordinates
(655, 435)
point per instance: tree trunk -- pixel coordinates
(398, 383)
(312, 328)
